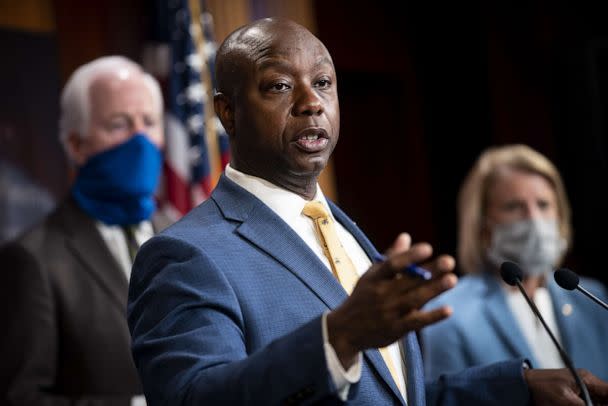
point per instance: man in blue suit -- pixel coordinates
(245, 300)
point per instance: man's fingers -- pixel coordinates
(572, 399)
(443, 264)
(418, 296)
(438, 267)
(418, 319)
(395, 264)
(404, 282)
(598, 389)
(402, 243)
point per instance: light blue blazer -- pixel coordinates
(483, 330)
(225, 308)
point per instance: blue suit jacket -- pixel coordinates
(225, 308)
(483, 329)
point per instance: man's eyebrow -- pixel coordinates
(324, 61)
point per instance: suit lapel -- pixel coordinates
(84, 240)
(373, 355)
(267, 231)
(498, 313)
(271, 234)
(414, 371)
(264, 229)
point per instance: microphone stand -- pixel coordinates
(592, 296)
(564, 356)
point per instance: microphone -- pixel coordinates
(512, 274)
(570, 281)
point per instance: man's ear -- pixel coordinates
(225, 112)
(74, 149)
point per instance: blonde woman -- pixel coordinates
(513, 207)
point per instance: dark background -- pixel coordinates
(424, 88)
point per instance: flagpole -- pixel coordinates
(196, 26)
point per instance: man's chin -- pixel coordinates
(313, 167)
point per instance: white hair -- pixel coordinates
(76, 100)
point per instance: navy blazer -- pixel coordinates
(483, 329)
(225, 308)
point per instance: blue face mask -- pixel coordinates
(117, 186)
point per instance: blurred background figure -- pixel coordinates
(513, 207)
(23, 202)
(65, 285)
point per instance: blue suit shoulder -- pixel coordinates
(205, 215)
(201, 228)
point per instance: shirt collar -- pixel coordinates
(283, 202)
(143, 231)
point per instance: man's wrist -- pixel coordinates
(341, 377)
(345, 352)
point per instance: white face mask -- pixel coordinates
(534, 244)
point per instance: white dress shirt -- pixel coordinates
(535, 335)
(116, 241)
(288, 206)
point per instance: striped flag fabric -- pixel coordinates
(196, 148)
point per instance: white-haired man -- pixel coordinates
(64, 283)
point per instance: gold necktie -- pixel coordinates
(341, 264)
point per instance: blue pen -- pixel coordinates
(411, 270)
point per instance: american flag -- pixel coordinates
(196, 144)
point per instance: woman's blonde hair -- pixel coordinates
(473, 197)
